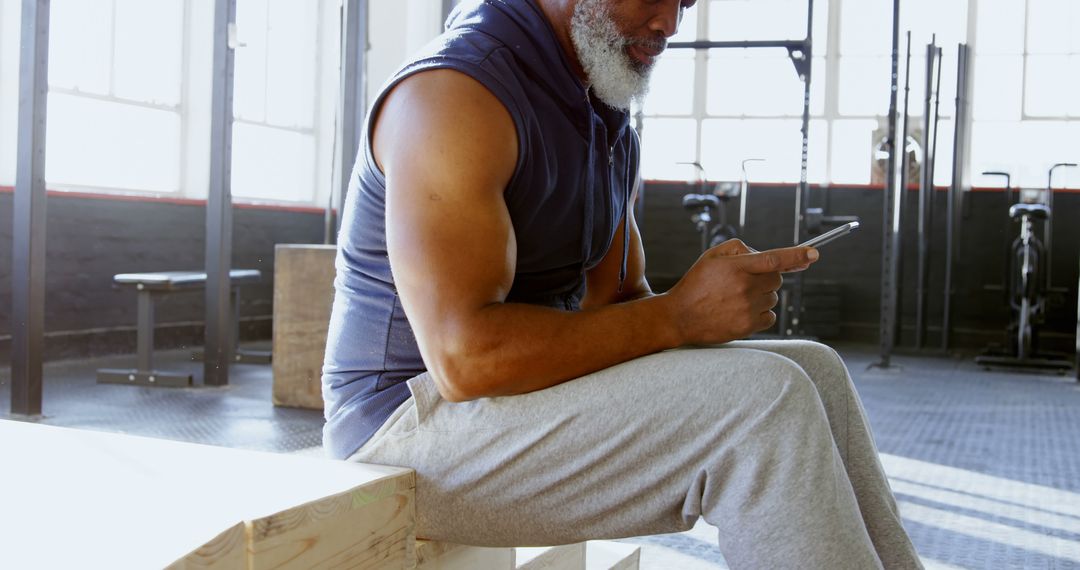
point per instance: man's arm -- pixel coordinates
(448, 149)
(602, 281)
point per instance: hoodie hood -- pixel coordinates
(524, 28)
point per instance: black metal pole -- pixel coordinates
(926, 187)
(802, 195)
(353, 112)
(217, 348)
(28, 227)
(790, 44)
(933, 161)
(902, 198)
(888, 278)
(1048, 225)
(1006, 240)
(956, 188)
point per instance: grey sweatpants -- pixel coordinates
(767, 440)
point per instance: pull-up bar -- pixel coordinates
(798, 50)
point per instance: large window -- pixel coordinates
(130, 88)
(1027, 111)
(9, 88)
(719, 107)
(275, 133)
(115, 69)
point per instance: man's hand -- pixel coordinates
(730, 291)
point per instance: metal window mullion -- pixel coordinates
(701, 82)
(1024, 66)
(28, 227)
(115, 99)
(111, 83)
(266, 65)
(832, 82)
(217, 350)
(184, 106)
(298, 130)
(316, 131)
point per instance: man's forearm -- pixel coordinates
(512, 348)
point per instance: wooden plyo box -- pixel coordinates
(80, 499)
(303, 297)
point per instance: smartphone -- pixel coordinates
(830, 235)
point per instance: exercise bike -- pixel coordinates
(708, 208)
(1026, 288)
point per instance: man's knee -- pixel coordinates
(816, 353)
(772, 382)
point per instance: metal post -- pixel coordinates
(952, 222)
(28, 227)
(1076, 365)
(216, 350)
(890, 231)
(1048, 225)
(901, 199)
(926, 189)
(802, 198)
(794, 325)
(144, 332)
(354, 47)
(234, 342)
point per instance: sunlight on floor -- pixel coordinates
(994, 509)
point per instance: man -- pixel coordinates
(493, 328)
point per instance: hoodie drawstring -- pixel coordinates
(626, 226)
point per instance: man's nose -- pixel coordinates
(666, 19)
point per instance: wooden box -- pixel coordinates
(303, 296)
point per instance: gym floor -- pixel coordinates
(985, 465)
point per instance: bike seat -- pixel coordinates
(695, 201)
(1036, 211)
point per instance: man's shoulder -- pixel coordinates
(467, 45)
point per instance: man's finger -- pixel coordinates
(733, 247)
(766, 282)
(766, 320)
(778, 260)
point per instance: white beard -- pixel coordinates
(615, 77)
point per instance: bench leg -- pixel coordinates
(241, 355)
(144, 331)
(144, 373)
(237, 354)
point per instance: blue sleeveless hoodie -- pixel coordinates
(577, 164)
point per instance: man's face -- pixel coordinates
(618, 41)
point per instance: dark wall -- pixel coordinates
(91, 239)
(853, 264)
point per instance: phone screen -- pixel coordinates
(831, 235)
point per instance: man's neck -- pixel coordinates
(559, 14)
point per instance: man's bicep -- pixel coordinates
(447, 154)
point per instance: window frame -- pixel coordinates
(831, 114)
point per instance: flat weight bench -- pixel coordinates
(152, 285)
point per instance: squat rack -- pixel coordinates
(800, 52)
